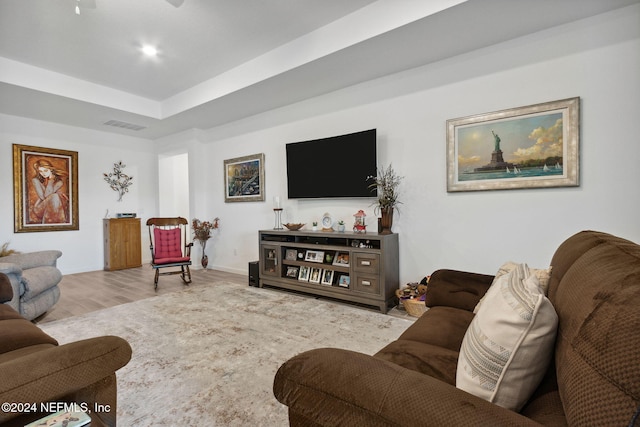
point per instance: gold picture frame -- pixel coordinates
(45, 185)
(536, 146)
(244, 179)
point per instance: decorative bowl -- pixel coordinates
(294, 227)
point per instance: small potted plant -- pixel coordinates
(386, 182)
(341, 226)
(315, 226)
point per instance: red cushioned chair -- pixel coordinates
(169, 247)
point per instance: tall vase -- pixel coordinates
(204, 261)
(386, 221)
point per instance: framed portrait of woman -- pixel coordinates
(45, 185)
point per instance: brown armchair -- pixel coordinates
(34, 369)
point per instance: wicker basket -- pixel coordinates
(414, 306)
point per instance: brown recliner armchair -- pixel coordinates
(34, 369)
(593, 378)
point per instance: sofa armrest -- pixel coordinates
(33, 259)
(9, 268)
(458, 289)
(6, 291)
(342, 387)
(55, 372)
(14, 273)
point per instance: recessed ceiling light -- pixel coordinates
(149, 50)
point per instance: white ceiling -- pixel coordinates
(223, 60)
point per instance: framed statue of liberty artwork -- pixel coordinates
(536, 146)
(45, 185)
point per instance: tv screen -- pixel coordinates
(334, 167)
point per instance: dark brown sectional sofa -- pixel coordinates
(593, 377)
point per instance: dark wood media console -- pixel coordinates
(355, 267)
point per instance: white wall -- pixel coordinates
(97, 152)
(596, 59)
(173, 183)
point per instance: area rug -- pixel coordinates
(208, 355)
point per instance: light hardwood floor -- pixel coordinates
(86, 292)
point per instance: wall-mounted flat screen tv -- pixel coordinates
(334, 167)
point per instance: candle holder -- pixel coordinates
(278, 214)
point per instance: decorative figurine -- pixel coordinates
(359, 225)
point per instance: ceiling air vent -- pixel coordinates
(124, 125)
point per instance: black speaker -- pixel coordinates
(254, 274)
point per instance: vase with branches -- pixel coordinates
(202, 233)
(386, 182)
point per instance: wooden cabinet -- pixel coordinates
(122, 243)
(360, 268)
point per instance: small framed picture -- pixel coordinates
(327, 277)
(315, 275)
(292, 271)
(341, 259)
(290, 254)
(344, 281)
(314, 256)
(301, 253)
(304, 273)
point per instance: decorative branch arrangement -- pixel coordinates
(118, 180)
(387, 182)
(202, 232)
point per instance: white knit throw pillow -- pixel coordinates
(508, 346)
(543, 276)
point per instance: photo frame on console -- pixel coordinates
(290, 254)
(327, 277)
(536, 146)
(303, 276)
(344, 281)
(314, 256)
(45, 185)
(316, 275)
(341, 259)
(244, 179)
(292, 271)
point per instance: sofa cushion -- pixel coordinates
(19, 333)
(509, 344)
(452, 323)
(457, 289)
(431, 350)
(39, 279)
(167, 243)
